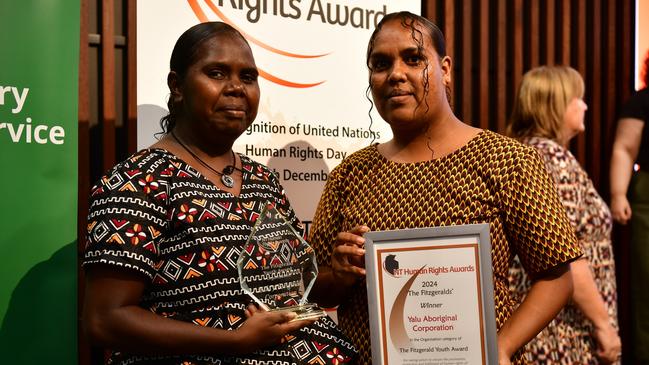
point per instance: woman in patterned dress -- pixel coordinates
(167, 226)
(439, 171)
(548, 113)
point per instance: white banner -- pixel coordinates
(311, 55)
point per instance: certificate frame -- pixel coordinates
(418, 326)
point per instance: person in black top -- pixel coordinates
(630, 203)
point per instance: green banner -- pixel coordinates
(39, 53)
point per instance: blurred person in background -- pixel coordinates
(548, 112)
(630, 203)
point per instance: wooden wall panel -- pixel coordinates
(565, 33)
(108, 83)
(610, 74)
(107, 110)
(517, 53)
(501, 66)
(580, 65)
(131, 71)
(533, 30)
(550, 31)
(484, 90)
(467, 46)
(594, 96)
(449, 31)
(497, 41)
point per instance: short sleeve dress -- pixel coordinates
(155, 215)
(492, 179)
(568, 338)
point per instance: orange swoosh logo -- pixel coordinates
(283, 82)
(253, 39)
(268, 76)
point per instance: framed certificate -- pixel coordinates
(430, 296)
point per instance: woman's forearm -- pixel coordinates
(135, 330)
(586, 296)
(347, 268)
(543, 302)
(621, 170)
(625, 151)
(112, 318)
(588, 299)
(326, 292)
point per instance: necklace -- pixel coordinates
(226, 179)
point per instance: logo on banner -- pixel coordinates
(327, 13)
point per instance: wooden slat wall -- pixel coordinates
(108, 83)
(106, 134)
(501, 67)
(492, 43)
(500, 40)
(131, 92)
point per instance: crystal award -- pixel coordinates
(277, 268)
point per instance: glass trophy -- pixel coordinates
(277, 268)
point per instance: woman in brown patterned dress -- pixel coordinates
(548, 113)
(439, 171)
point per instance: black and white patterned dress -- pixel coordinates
(156, 215)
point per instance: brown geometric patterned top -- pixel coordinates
(492, 179)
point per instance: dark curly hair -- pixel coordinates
(184, 55)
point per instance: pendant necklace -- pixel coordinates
(226, 179)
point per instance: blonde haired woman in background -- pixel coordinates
(548, 112)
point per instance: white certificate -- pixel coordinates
(430, 295)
